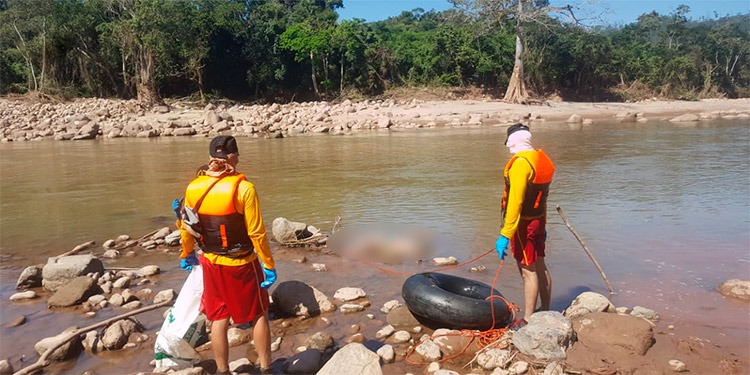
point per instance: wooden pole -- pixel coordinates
(43, 362)
(586, 249)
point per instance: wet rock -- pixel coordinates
(604, 329)
(735, 288)
(122, 282)
(574, 119)
(74, 292)
(295, 298)
(546, 337)
(688, 117)
(111, 254)
(357, 337)
(320, 341)
(588, 302)
(31, 277)
(390, 305)
(353, 359)
(384, 332)
(173, 239)
(60, 271)
(348, 308)
(645, 313)
(132, 305)
(21, 320)
(306, 362)
(6, 368)
(401, 337)
(117, 334)
(68, 350)
(401, 316)
(349, 294)
(319, 267)
(161, 233)
(20, 296)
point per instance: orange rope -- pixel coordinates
(483, 338)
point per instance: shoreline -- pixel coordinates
(22, 120)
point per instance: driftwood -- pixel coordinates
(43, 362)
(586, 249)
(76, 249)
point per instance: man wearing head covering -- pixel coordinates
(527, 175)
(231, 234)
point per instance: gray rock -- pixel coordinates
(546, 337)
(161, 233)
(588, 302)
(348, 308)
(237, 336)
(31, 277)
(74, 292)
(429, 351)
(60, 271)
(148, 271)
(493, 358)
(735, 288)
(645, 313)
(67, 350)
(165, 295)
(320, 341)
(353, 358)
(117, 334)
(285, 231)
(306, 362)
(21, 320)
(111, 254)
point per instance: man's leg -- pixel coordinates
(262, 338)
(545, 283)
(220, 344)
(530, 289)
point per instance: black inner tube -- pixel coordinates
(445, 301)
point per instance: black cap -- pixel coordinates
(514, 128)
(222, 146)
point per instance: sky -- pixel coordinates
(613, 12)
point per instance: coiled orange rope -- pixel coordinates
(483, 338)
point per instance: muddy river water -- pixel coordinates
(664, 208)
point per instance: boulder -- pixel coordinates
(31, 277)
(285, 231)
(546, 337)
(588, 302)
(117, 334)
(74, 292)
(735, 288)
(628, 332)
(60, 271)
(353, 358)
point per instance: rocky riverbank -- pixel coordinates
(23, 120)
(345, 332)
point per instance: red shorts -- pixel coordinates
(528, 243)
(233, 291)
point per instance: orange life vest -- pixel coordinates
(222, 229)
(535, 202)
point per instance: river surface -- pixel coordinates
(664, 208)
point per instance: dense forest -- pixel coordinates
(283, 50)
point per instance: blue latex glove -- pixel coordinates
(188, 262)
(176, 207)
(270, 278)
(501, 245)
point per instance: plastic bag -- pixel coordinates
(184, 328)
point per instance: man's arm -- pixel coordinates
(519, 174)
(187, 239)
(256, 229)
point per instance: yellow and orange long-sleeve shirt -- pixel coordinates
(520, 174)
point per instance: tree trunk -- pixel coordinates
(516, 92)
(312, 74)
(146, 89)
(341, 83)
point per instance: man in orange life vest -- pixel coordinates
(232, 237)
(527, 175)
